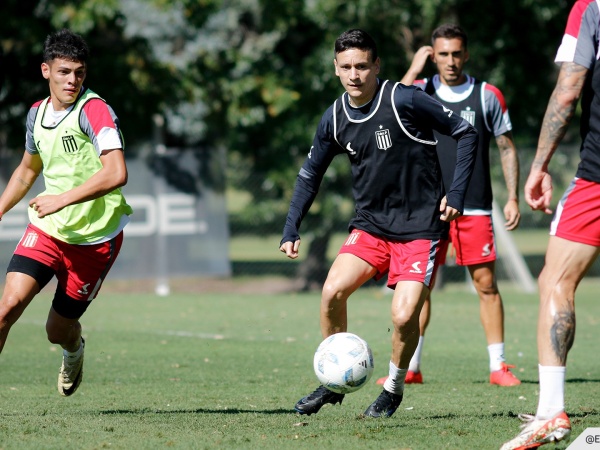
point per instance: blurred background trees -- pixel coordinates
(251, 78)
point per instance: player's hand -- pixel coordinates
(290, 249)
(418, 64)
(46, 205)
(512, 215)
(420, 59)
(538, 190)
(448, 212)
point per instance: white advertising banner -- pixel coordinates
(178, 228)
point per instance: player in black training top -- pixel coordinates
(386, 130)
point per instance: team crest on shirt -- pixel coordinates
(69, 144)
(469, 115)
(383, 138)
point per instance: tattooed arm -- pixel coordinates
(560, 110)
(510, 166)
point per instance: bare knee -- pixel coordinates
(62, 337)
(11, 308)
(487, 291)
(404, 319)
(5, 314)
(407, 304)
(405, 322)
(334, 292)
(553, 288)
(485, 284)
(55, 336)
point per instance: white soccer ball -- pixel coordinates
(343, 363)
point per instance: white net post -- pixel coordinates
(509, 255)
(162, 287)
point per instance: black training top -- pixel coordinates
(471, 108)
(396, 176)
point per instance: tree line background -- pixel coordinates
(251, 79)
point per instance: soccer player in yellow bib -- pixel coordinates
(76, 225)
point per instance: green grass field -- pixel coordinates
(223, 371)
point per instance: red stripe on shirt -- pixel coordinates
(576, 17)
(98, 115)
(493, 89)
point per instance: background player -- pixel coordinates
(574, 241)
(386, 131)
(472, 235)
(76, 224)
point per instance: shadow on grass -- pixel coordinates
(195, 411)
(303, 419)
(572, 415)
(569, 380)
(581, 380)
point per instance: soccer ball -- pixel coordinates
(343, 363)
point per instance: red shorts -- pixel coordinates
(472, 240)
(577, 215)
(80, 269)
(412, 260)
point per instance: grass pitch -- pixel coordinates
(223, 371)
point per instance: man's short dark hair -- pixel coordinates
(67, 45)
(356, 38)
(449, 31)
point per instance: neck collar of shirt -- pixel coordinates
(453, 94)
(51, 117)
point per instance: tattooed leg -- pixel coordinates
(566, 264)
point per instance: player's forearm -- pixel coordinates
(465, 160)
(302, 199)
(98, 185)
(409, 77)
(510, 165)
(418, 63)
(19, 184)
(560, 111)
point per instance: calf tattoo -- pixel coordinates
(562, 334)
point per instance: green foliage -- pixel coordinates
(121, 68)
(215, 66)
(255, 76)
(83, 16)
(514, 48)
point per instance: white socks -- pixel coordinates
(395, 380)
(75, 355)
(552, 391)
(496, 352)
(415, 361)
